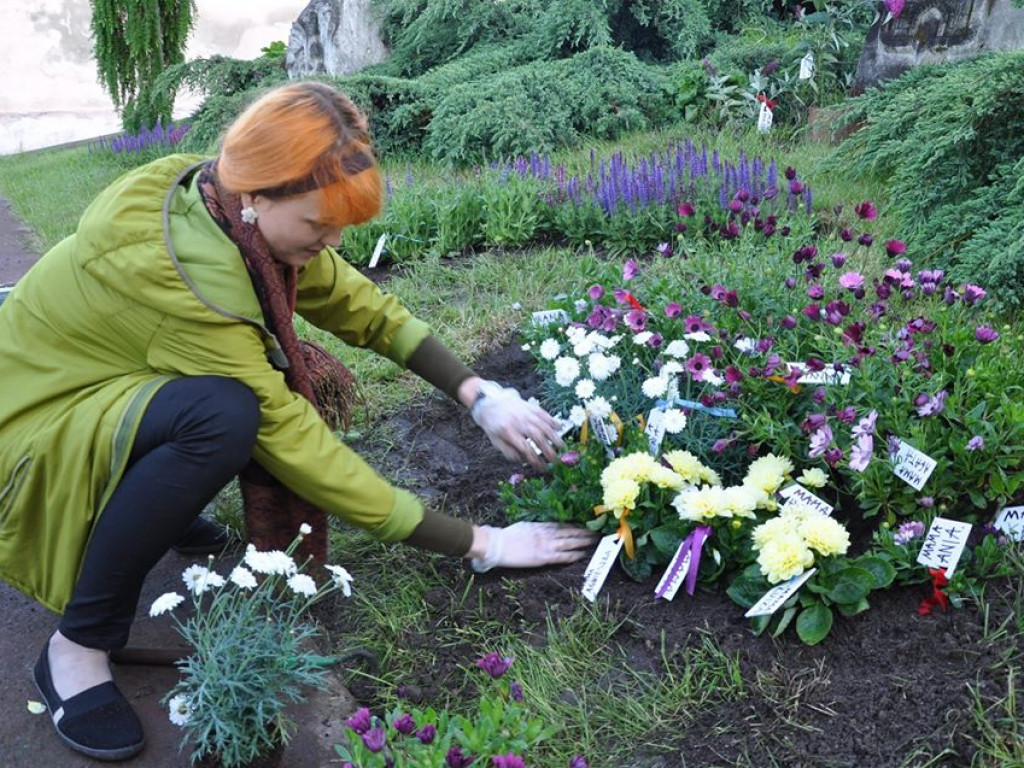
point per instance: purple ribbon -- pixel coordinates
(692, 545)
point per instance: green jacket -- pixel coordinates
(149, 288)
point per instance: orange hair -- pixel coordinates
(300, 137)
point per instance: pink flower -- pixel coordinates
(895, 7)
(596, 292)
(860, 454)
(698, 366)
(866, 210)
(673, 309)
(630, 270)
(895, 247)
(686, 210)
(820, 441)
(851, 281)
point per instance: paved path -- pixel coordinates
(27, 740)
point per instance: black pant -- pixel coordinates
(195, 435)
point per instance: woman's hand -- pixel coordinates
(522, 431)
(528, 545)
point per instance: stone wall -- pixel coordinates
(334, 37)
(931, 32)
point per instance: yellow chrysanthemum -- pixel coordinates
(825, 535)
(765, 478)
(621, 494)
(741, 500)
(686, 465)
(813, 478)
(777, 527)
(663, 477)
(634, 466)
(701, 504)
(771, 464)
(784, 557)
(709, 476)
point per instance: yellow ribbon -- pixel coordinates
(795, 389)
(626, 535)
(584, 432)
(619, 426)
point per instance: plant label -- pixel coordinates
(796, 494)
(600, 565)
(655, 430)
(1010, 521)
(777, 595)
(549, 316)
(911, 466)
(764, 118)
(565, 426)
(603, 431)
(807, 66)
(943, 544)
(827, 375)
(378, 250)
(675, 574)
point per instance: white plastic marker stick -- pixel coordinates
(655, 430)
(600, 565)
(777, 595)
(943, 544)
(827, 375)
(807, 66)
(378, 250)
(764, 118)
(549, 316)
(675, 574)
(1010, 521)
(911, 466)
(603, 431)
(796, 494)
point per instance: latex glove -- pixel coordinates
(522, 431)
(531, 545)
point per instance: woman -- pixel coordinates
(150, 357)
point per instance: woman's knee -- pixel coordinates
(237, 413)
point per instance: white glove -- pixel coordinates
(531, 545)
(522, 431)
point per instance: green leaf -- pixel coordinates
(759, 624)
(852, 585)
(880, 568)
(748, 587)
(597, 523)
(814, 623)
(784, 621)
(852, 609)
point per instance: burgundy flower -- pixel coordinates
(866, 240)
(812, 312)
(838, 259)
(685, 210)
(845, 235)
(816, 292)
(866, 210)
(895, 247)
(788, 322)
(985, 335)
(796, 187)
(790, 172)
(733, 374)
(735, 206)
(833, 456)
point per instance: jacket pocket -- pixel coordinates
(9, 492)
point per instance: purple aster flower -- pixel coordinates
(912, 529)
(985, 335)
(895, 247)
(494, 664)
(579, 762)
(636, 319)
(838, 259)
(973, 294)
(866, 426)
(851, 281)
(456, 759)
(866, 240)
(655, 341)
(788, 322)
(630, 270)
(816, 292)
(360, 721)
(845, 235)
(673, 309)
(515, 691)
(570, 458)
(602, 318)
(427, 733)
(511, 760)
(698, 366)
(949, 296)
(374, 739)
(404, 723)
(976, 443)
(866, 210)
(933, 405)
(820, 441)
(596, 292)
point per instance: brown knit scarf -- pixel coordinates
(273, 513)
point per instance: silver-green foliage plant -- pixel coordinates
(251, 653)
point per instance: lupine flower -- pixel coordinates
(912, 529)
(360, 721)
(426, 734)
(511, 760)
(976, 443)
(494, 664)
(866, 210)
(404, 723)
(985, 335)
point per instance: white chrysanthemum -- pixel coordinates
(702, 504)
(746, 346)
(305, 529)
(782, 526)
(783, 558)
(825, 535)
(526, 347)
(242, 577)
(301, 584)
(686, 465)
(663, 477)
(575, 334)
(813, 478)
(602, 366)
(671, 368)
(179, 710)
(549, 349)
(697, 336)
(584, 389)
(634, 466)
(199, 579)
(577, 415)
(674, 421)
(166, 602)
(678, 348)
(654, 387)
(711, 377)
(778, 465)
(583, 347)
(642, 338)
(275, 561)
(567, 369)
(341, 578)
(599, 408)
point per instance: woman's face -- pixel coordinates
(292, 226)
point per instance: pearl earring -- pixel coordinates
(249, 215)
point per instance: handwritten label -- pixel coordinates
(655, 430)
(944, 544)
(549, 316)
(600, 565)
(1010, 521)
(796, 494)
(777, 595)
(764, 118)
(675, 574)
(827, 375)
(911, 466)
(378, 250)
(603, 431)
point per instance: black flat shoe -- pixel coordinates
(202, 537)
(98, 722)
